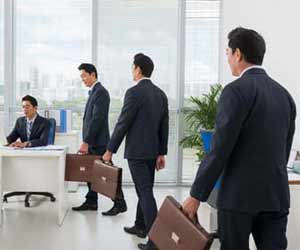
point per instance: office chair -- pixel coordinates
(51, 138)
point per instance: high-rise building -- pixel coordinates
(34, 77)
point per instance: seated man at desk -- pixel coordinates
(32, 129)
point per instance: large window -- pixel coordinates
(52, 39)
(127, 27)
(201, 60)
(2, 71)
(1, 52)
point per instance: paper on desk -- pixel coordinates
(43, 148)
(49, 147)
(8, 148)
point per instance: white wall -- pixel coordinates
(277, 21)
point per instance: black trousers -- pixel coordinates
(268, 230)
(143, 172)
(92, 196)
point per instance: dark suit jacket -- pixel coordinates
(144, 120)
(95, 130)
(39, 132)
(253, 136)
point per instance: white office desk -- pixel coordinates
(293, 230)
(35, 171)
(72, 140)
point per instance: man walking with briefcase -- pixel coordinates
(144, 121)
(95, 133)
(255, 126)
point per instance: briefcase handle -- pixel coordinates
(79, 153)
(195, 220)
(109, 163)
(179, 206)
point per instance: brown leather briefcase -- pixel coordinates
(173, 230)
(106, 179)
(79, 167)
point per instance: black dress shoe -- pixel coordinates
(136, 231)
(146, 247)
(114, 211)
(86, 206)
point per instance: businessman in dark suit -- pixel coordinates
(254, 131)
(95, 133)
(32, 129)
(144, 121)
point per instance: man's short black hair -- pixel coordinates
(145, 63)
(30, 99)
(251, 44)
(89, 68)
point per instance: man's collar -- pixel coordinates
(143, 78)
(33, 119)
(93, 85)
(249, 68)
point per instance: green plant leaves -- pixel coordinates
(200, 114)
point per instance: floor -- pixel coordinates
(36, 228)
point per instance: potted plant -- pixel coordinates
(200, 118)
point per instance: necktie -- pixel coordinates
(29, 127)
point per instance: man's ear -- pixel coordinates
(239, 55)
(140, 71)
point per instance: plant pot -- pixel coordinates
(296, 167)
(206, 137)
